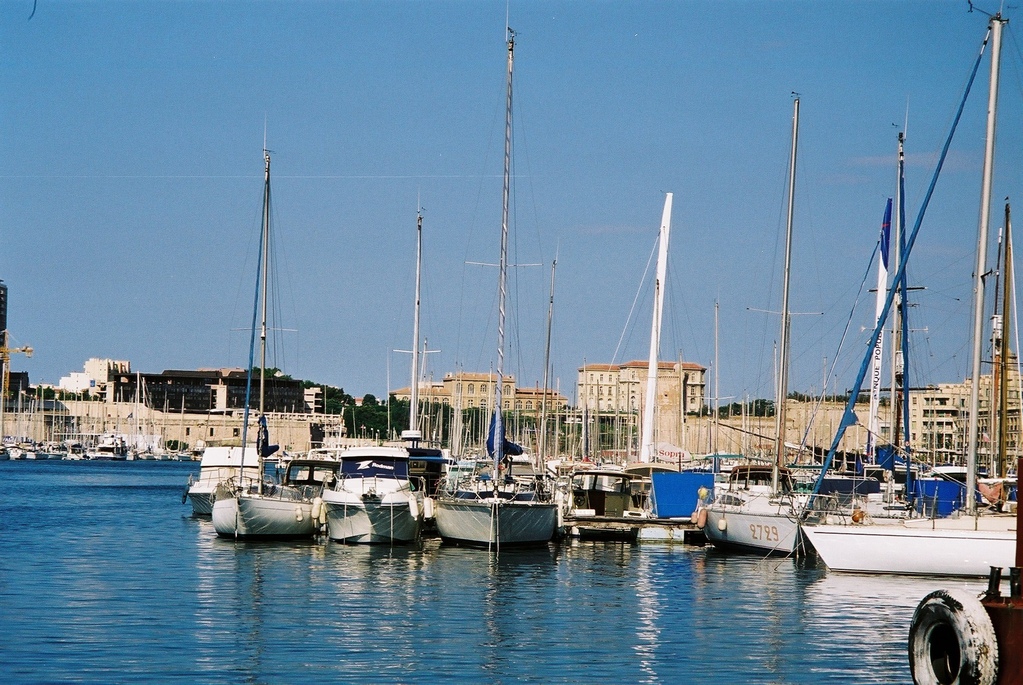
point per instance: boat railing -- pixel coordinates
(834, 509)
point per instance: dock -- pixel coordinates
(632, 528)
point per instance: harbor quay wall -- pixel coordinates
(85, 420)
(142, 426)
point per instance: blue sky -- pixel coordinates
(131, 140)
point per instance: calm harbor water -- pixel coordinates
(106, 578)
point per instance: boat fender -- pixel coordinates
(952, 640)
(701, 519)
(413, 506)
(428, 507)
(184, 496)
(722, 524)
(298, 513)
(317, 505)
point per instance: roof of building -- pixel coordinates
(637, 363)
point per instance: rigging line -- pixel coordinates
(772, 281)
(838, 353)
(277, 177)
(676, 329)
(849, 416)
(614, 357)
(467, 305)
(1015, 63)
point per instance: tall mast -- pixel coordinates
(898, 325)
(717, 395)
(647, 433)
(503, 265)
(262, 326)
(266, 270)
(981, 268)
(413, 434)
(1003, 351)
(783, 362)
(546, 369)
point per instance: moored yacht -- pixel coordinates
(374, 500)
(219, 464)
(752, 514)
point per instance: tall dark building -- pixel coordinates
(3, 306)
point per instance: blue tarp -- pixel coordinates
(938, 497)
(675, 495)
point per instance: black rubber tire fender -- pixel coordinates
(952, 641)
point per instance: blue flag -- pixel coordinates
(263, 440)
(510, 448)
(886, 230)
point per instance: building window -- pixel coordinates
(234, 432)
(188, 431)
(211, 431)
(471, 389)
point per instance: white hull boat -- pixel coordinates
(392, 518)
(749, 516)
(248, 515)
(963, 546)
(764, 525)
(374, 500)
(495, 521)
(217, 466)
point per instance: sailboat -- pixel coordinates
(608, 501)
(499, 509)
(257, 509)
(965, 545)
(377, 499)
(758, 510)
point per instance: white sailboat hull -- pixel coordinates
(255, 516)
(943, 547)
(392, 518)
(500, 522)
(770, 528)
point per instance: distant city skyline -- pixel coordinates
(131, 139)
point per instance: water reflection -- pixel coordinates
(119, 583)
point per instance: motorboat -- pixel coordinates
(375, 500)
(218, 465)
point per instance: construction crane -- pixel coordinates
(5, 364)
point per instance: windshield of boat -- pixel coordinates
(745, 476)
(310, 474)
(601, 482)
(375, 467)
